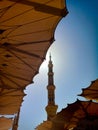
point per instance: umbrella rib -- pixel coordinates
(18, 95)
(17, 77)
(10, 91)
(42, 19)
(44, 8)
(7, 8)
(22, 60)
(10, 79)
(9, 104)
(24, 52)
(88, 105)
(18, 26)
(7, 87)
(16, 16)
(13, 29)
(33, 42)
(92, 90)
(4, 11)
(16, 66)
(11, 95)
(89, 94)
(3, 86)
(28, 33)
(84, 109)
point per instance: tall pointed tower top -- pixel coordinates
(50, 72)
(50, 56)
(51, 108)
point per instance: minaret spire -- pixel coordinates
(51, 108)
(50, 56)
(50, 72)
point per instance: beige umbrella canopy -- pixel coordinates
(26, 32)
(10, 101)
(5, 123)
(70, 116)
(46, 125)
(85, 124)
(63, 117)
(87, 110)
(91, 92)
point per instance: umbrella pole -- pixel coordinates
(16, 120)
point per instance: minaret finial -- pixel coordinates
(50, 56)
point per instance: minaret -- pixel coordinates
(51, 108)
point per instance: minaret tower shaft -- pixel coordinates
(51, 108)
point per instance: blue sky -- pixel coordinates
(75, 59)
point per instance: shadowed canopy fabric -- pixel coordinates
(10, 101)
(63, 117)
(70, 116)
(91, 92)
(85, 124)
(5, 123)
(87, 110)
(46, 125)
(26, 32)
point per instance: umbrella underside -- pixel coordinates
(91, 92)
(26, 32)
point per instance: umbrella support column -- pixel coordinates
(16, 119)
